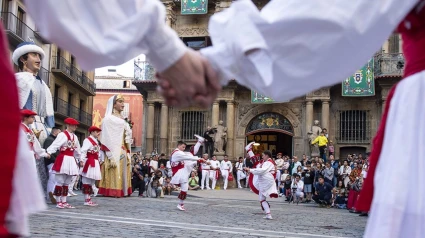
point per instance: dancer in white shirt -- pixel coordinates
(90, 156)
(240, 173)
(264, 183)
(182, 164)
(65, 166)
(205, 173)
(214, 171)
(225, 168)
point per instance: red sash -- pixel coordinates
(64, 151)
(175, 167)
(91, 157)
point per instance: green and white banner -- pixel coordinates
(258, 98)
(189, 7)
(361, 83)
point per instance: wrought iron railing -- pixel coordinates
(13, 24)
(64, 108)
(148, 71)
(389, 64)
(73, 73)
(44, 75)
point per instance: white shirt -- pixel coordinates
(154, 165)
(279, 163)
(205, 166)
(239, 166)
(38, 150)
(87, 145)
(215, 164)
(346, 172)
(62, 141)
(294, 169)
(226, 165)
(299, 185)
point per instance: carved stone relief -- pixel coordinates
(192, 31)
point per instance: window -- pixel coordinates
(126, 84)
(20, 23)
(157, 130)
(5, 5)
(354, 127)
(197, 43)
(193, 122)
(393, 44)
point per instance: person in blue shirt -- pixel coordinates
(323, 194)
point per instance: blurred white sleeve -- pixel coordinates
(108, 32)
(290, 48)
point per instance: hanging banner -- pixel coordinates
(361, 84)
(258, 98)
(189, 7)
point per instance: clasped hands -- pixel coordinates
(191, 81)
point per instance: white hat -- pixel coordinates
(24, 48)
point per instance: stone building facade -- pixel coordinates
(281, 127)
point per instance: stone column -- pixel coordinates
(325, 114)
(150, 128)
(308, 116)
(215, 114)
(164, 129)
(230, 122)
(170, 13)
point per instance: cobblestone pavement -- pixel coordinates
(230, 213)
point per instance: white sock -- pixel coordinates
(86, 196)
(63, 199)
(266, 207)
(181, 202)
(196, 148)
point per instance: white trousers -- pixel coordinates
(63, 179)
(213, 179)
(205, 179)
(51, 183)
(278, 178)
(264, 203)
(87, 181)
(225, 174)
(71, 185)
(240, 175)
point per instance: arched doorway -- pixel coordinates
(272, 131)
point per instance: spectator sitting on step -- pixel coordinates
(156, 185)
(193, 181)
(167, 187)
(323, 194)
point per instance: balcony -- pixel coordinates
(16, 30)
(63, 68)
(64, 109)
(389, 65)
(44, 75)
(144, 71)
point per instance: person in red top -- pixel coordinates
(90, 155)
(66, 164)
